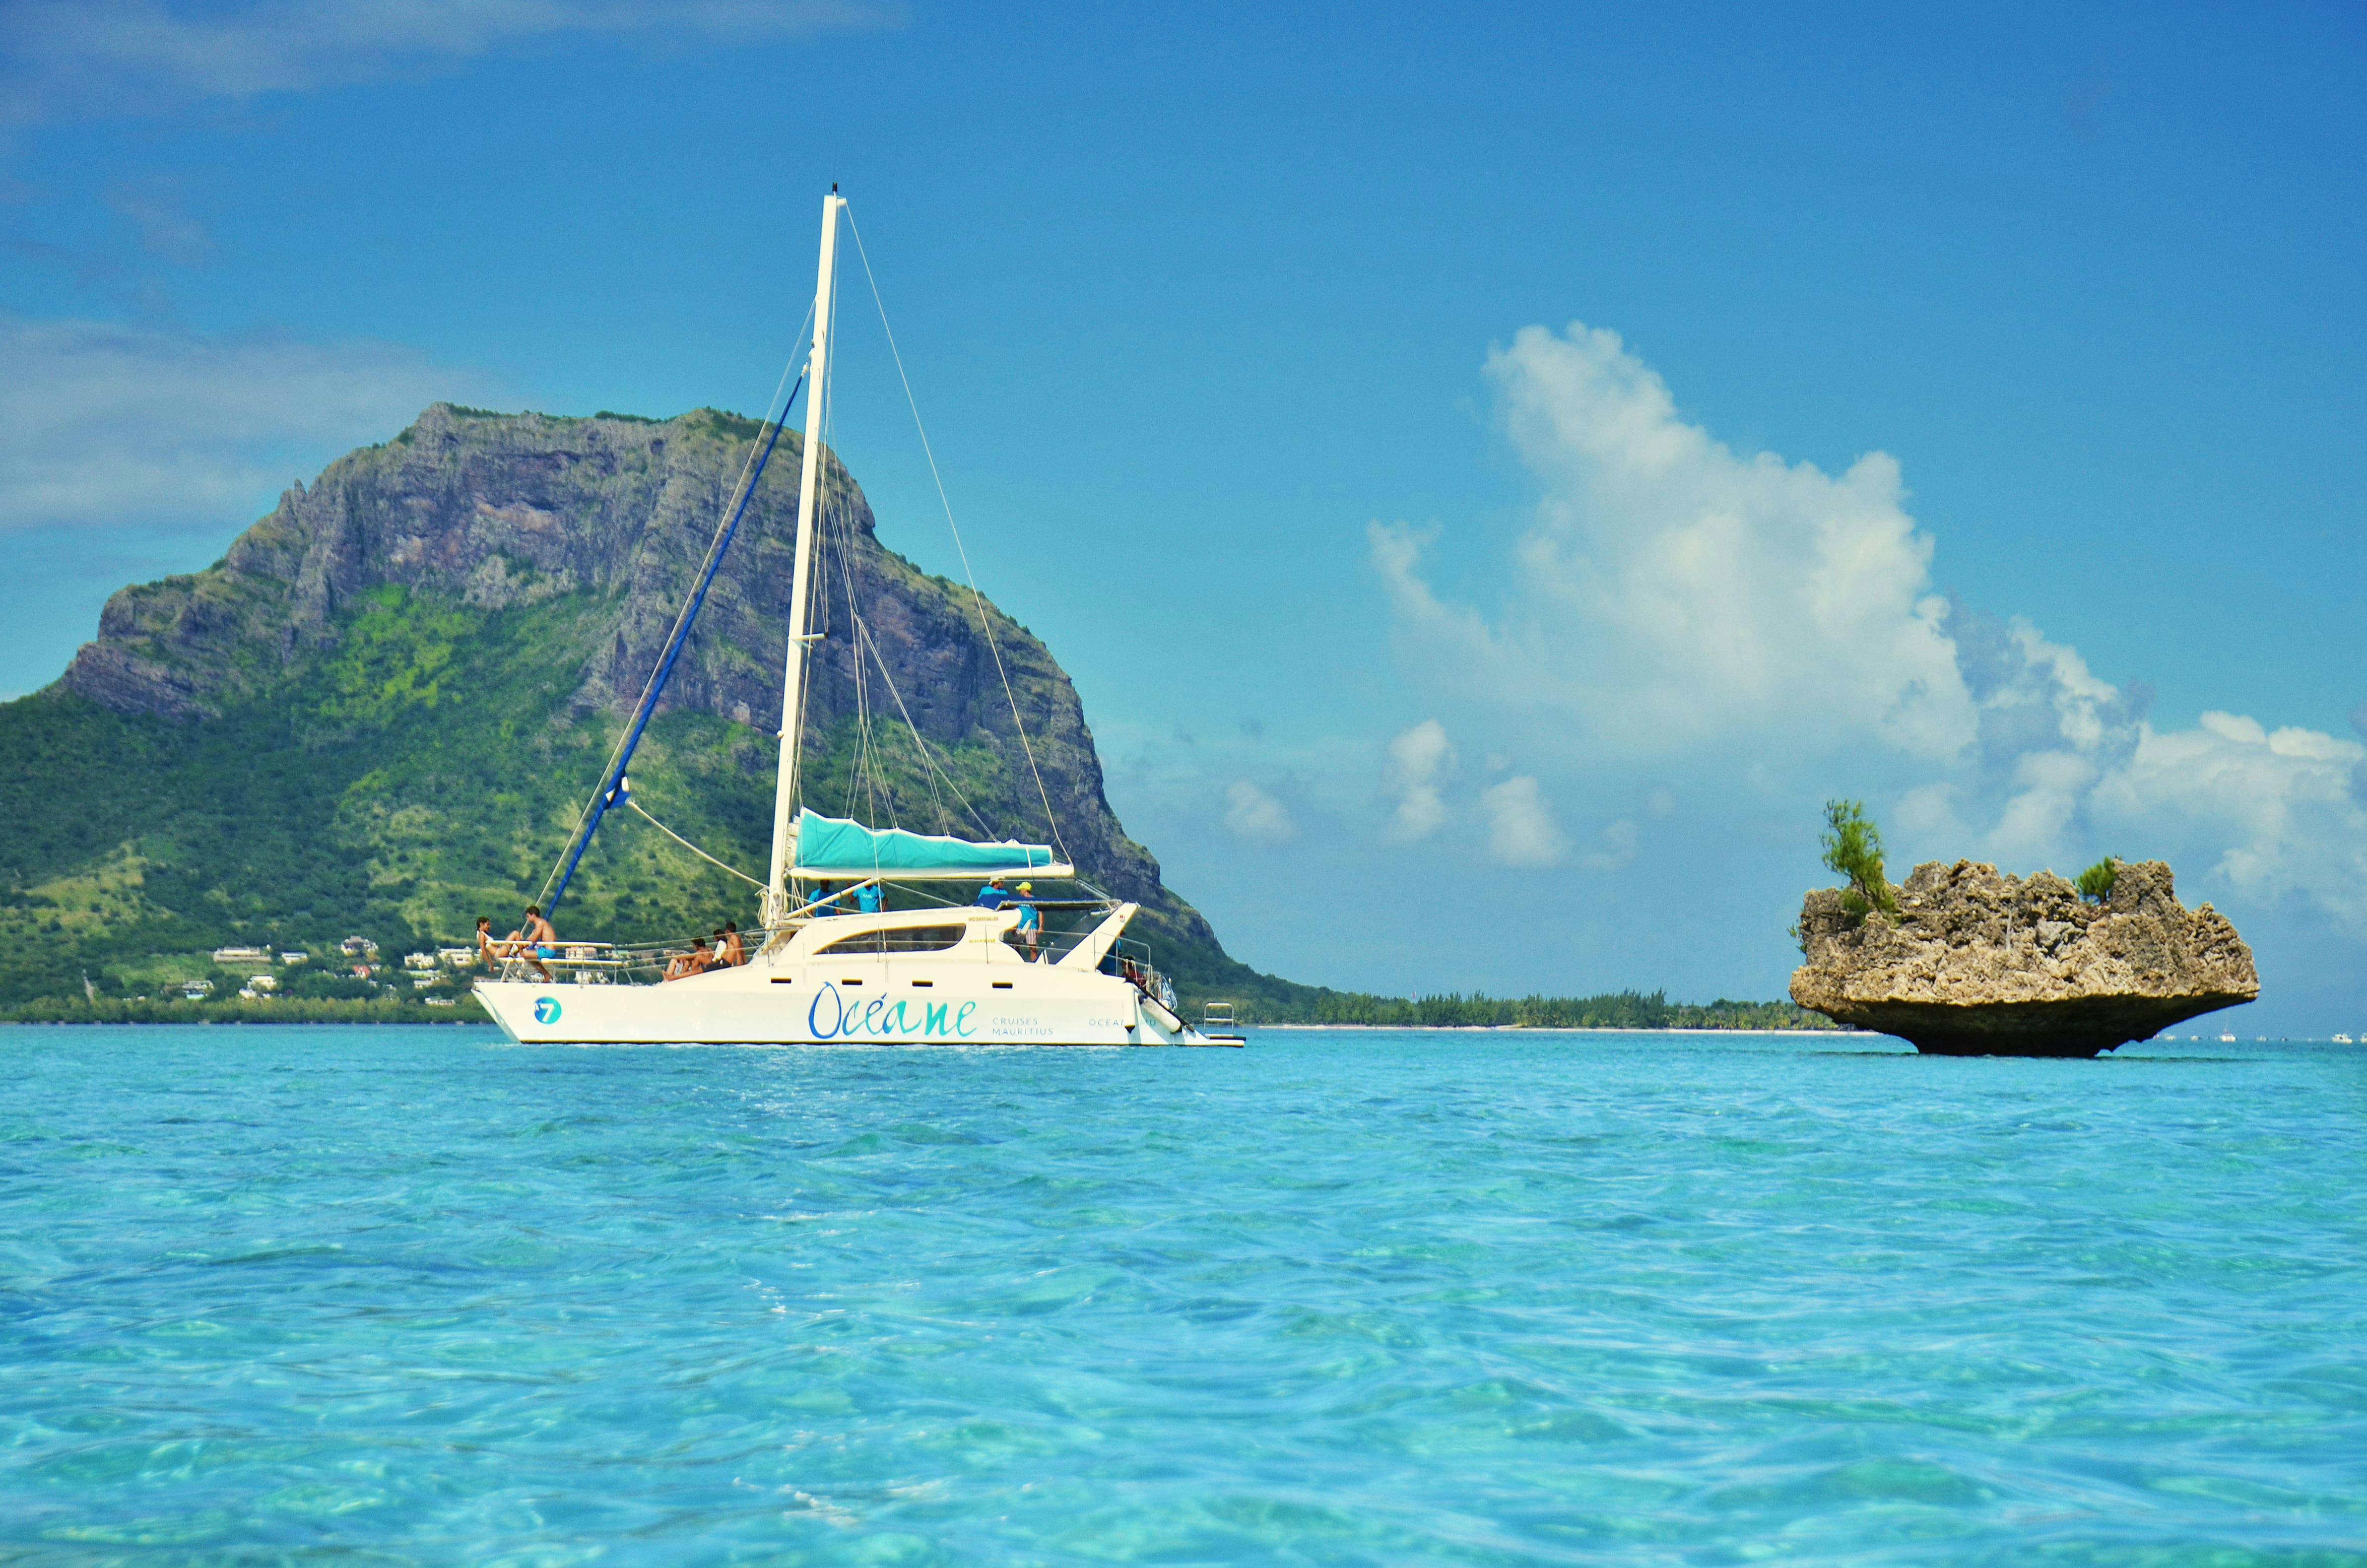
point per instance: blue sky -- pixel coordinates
(1246, 338)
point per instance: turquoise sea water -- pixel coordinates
(391, 1296)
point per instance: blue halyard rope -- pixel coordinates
(609, 791)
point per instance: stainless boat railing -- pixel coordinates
(591, 963)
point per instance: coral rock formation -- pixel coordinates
(1977, 963)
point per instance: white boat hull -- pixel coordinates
(877, 1002)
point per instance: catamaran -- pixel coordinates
(858, 939)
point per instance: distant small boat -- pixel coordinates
(2227, 1039)
(2342, 1039)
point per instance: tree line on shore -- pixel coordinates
(1611, 1010)
(383, 1009)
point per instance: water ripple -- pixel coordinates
(402, 1296)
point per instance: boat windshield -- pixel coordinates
(900, 939)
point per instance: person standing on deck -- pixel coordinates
(992, 896)
(1031, 924)
(866, 898)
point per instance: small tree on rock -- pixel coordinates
(2095, 883)
(1853, 847)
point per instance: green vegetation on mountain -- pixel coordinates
(422, 772)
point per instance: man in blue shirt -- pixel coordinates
(1030, 922)
(992, 896)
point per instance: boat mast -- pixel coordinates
(785, 790)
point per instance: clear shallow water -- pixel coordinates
(419, 1296)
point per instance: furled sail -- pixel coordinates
(833, 847)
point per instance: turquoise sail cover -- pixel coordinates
(835, 843)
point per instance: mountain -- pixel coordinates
(380, 712)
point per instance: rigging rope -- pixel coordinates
(929, 769)
(818, 427)
(978, 599)
(612, 768)
(864, 770)
(867, 770)
(686, 843)
(587, 822)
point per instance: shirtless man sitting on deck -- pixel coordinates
(698, 960)
(535, 940)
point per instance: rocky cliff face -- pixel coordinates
(493, 511)
(1980, 963)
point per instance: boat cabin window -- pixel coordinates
(900, 939)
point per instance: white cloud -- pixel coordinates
(74, 58)
(1419, 760)
(1521, 829)
(1673, 589)
(1254, 814)
(103, 424)
(2068, 770)
(2284, 811)
(1776, 629)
